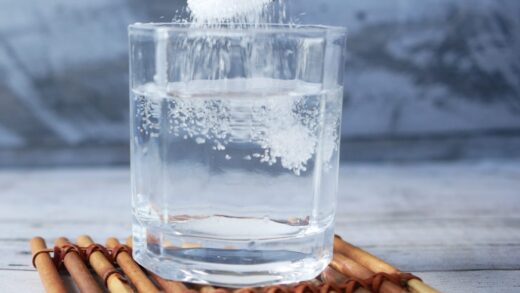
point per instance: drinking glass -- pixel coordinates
(235, 134)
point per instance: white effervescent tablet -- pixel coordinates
(216, 10)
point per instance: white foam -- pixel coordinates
(221, 10)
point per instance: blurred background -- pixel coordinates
(425, 80)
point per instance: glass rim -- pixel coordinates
(235, 27)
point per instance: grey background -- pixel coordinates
(429, 79)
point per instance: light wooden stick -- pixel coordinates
(331, 276)
(351, 268)
(78, 270)
(48, 273)
(102, 266)
(362, 257)
(389, 287)
(376, 264)
(169, 286)
(416, 286)
(209, 289)
(166, 285)
(132, 269)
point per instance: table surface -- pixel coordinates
(456, 225)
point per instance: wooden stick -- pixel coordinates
(391, 288)
(78, 270)
(166, 285)
(209, 289)
(376, 264)
(241, 290)
(132, 269)
(102, 266)
(362, 257)
(351, 268)
(331, 276)
(277, 289)
(169, 286)
(416, 286)
(48, 272)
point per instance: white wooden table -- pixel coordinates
(455, 225)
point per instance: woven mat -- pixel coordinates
(96, 268)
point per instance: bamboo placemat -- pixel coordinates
(352, 270)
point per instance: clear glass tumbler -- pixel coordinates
(235, 134)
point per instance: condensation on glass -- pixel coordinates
(235, 136)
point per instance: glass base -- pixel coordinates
(235, 275)
(241, 267)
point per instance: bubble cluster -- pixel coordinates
(287, 123)
(200, 119)
(147, 116)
